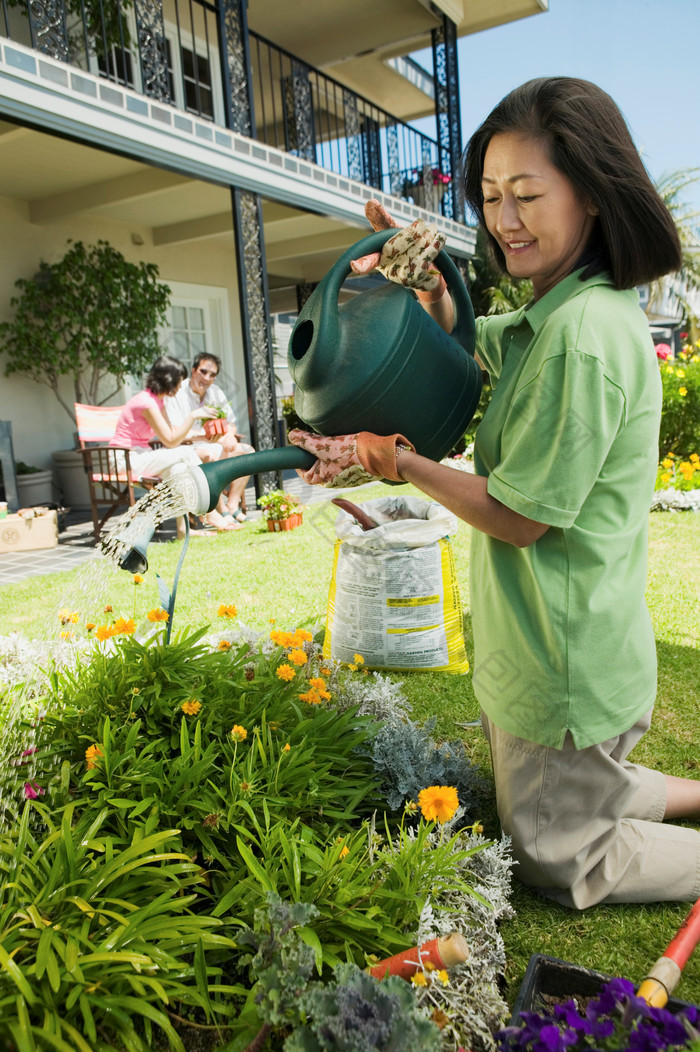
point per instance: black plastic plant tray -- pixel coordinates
(554, 978)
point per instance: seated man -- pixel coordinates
(199, 391)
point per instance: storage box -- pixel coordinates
(20, 534)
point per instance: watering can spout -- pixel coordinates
(202, 486)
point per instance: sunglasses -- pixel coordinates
(208, 372)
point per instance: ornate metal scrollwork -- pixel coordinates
(153, 55)
(47, 24)
(352, 135)
(392, 151)
(299, 113)
(256, 331)
(447, 111)
(233, 35)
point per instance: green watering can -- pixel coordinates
(377, 363)
(380, 363)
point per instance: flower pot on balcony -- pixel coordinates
(35, 489)
(278, 525)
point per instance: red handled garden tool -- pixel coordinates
(666, 972)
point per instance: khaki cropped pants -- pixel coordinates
(586, 824)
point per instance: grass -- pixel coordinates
(285, 577)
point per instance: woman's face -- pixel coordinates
(539, 219)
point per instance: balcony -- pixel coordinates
(180, 53)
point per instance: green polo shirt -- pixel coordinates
(562, 636)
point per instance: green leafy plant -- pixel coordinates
(279, 505)
(92, 316)
(680, 414)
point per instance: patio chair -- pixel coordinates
(108, 469)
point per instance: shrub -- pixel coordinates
(680, 414)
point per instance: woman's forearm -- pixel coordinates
(466, 495)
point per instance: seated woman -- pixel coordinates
(143, 418)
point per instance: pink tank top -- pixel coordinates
(133, 430)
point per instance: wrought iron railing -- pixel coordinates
(172, 51)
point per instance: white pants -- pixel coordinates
(162, 462)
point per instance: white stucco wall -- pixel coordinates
(39, 423)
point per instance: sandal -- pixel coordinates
(239, 515)
(221, 523)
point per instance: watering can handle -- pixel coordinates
(464, 328)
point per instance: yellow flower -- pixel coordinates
(286, 747)
(298, 657)
(353, 668)
(419, 979)
(680, 374)
(238, 733)
(443, 977)
(191, 707)
(358, 659)
(227, 611)
(286, 673)
(89, 625)
(91, 754)
(682, 391)
(103, 632)
(67, 635)
(224, 645)
(326, 672)
(317, 682)
(666, 463)
(68, 617)
(108, 609)
(671, 455)
(124, 627)
(159, 614)
(345, 850)
(138, 579)
(695, 458)
(438, 803)
(282, 639)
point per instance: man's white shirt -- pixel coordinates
(186, 400)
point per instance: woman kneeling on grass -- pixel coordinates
(565, 460)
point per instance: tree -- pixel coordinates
(92, 316)
(687, 219)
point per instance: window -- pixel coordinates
(189, 333)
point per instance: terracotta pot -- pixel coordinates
(277, 525)
(215, 427)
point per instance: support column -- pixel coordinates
(235, 66)
(255, 318)
(300, 133)
(153, 55)
(449, 127)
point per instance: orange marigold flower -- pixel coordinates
(302, 635)
(227, 611)
(122, 627)
(317, 682)
(103, 632)
(282, 639)
(326, 672)
(90, 625)
(345, 850)
(298, 657)
(438, 803)
(138, 579)
(312, 697)
(191, 707)
(224, 644)
(108, 609)
(286, 673)
(158, 614)
(440, 1018)
(238, 733)
(286, 748)
(358, 659)
(91, 754)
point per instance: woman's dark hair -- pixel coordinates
(634, 238)
(165, 375)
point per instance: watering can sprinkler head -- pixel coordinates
(134, 559)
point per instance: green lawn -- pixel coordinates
(285, 577)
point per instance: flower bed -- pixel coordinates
(207, 841)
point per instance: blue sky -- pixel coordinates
(644, 53)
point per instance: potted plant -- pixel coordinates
(34, 486)
(92, 317)
(216, 425)
(282, 510)
(426, 189)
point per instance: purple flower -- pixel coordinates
(32, 790)
(551, 1039)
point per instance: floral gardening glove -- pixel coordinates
(349, 460)
(407, 258)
